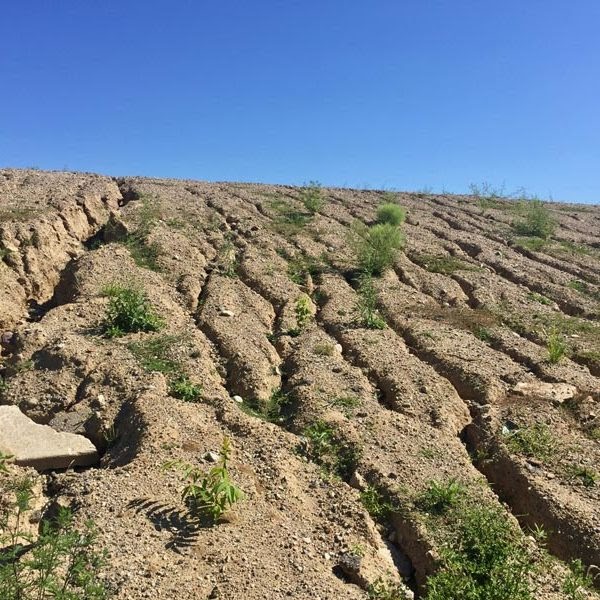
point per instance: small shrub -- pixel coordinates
(382, 589)
(375, 247)
(483, 334)
(128, 311)
(155, 353)
(556, 346)
(366, 306)
(288, 221)
(376, 504)
(485, 557)
(302, 266)
(391, 213)
(577, 581)
(588, 476)
(227, 259)
(535, 244)
(539, 298)
(312, 198)
(441, 496)
(346, 403)
(325, 448)
(487, 196)
(61, 563)
(446, 265)
(303, 310)
(209, 494)
(324, 349)
(4, 460)
(183, 388)
(536, 441)
(535, 220)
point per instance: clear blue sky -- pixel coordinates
(381, 93)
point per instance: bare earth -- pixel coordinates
(431, 397)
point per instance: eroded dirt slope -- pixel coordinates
(338, 430)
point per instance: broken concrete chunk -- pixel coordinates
(557, 392)
(40, 446)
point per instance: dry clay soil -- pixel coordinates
(431, 397)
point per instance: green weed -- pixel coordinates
(440, 496)
(535, 441)
(366, 305)
(485, 557)
(446, 265)
(61, 562)
(539, 298)
(376, 247)
(302, 267)
(589, 477)
(183, 388)
(324, 349)
(325, 447)
(312, 198)
(556, 346)
(303, 310)
(376, 504)
(577, 581)
(535, 244)
(382, 589)
(155, 353)
(227, 259)
(391, 213)
(535, 219)
(209, 494)
(128, 311)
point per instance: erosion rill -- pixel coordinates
(349, 420)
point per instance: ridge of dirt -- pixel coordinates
(257, 299)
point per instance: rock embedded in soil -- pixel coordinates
(40, 446)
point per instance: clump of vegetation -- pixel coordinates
(577, 581)
(346, 403)
(312, 198)
(128, 311)
(183, 388)
(483, 334)
(375, 247)
(445, 265)
(303, 310)
(366, 306)
(62, 562)
(535, 244)
(391, 213)
(288, 221)
(324, 349)
(145, 254)
(227, 259)
(589, 477)
(211, 494)
(539, 298)
(325, 447)
(377, 504)
(584, 288)
(484, 557)
(302, 267)
(535, 441)
(487, 196)
(157, 354)
(441, 496)
(535, 219)
(382, 589)
(556, 346)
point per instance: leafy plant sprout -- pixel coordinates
(209, 494)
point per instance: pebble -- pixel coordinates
(226, 313)
(238, 399)
(212, 456)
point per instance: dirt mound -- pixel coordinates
(373, 422)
